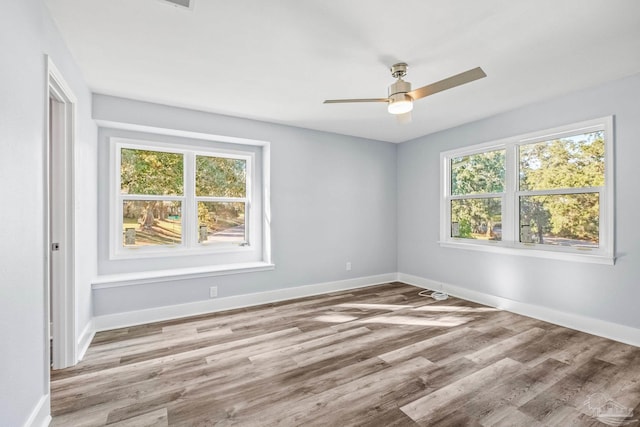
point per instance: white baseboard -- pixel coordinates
(85, 340)
(614, 331)
(41, 414)
(121, 320)
(590, 325)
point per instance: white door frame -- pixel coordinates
(59, 153)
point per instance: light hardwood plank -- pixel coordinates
(375, 356)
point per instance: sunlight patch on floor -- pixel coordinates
(445, 321)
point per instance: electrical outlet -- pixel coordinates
(213, 292)
(348, 266)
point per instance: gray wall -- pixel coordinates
(332, 201)
(26, 35)
(604, 292)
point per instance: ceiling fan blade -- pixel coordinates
(448, 83)
(342, 101)
(404, 118)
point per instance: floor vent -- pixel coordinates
(183, 4)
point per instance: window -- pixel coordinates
(152, 197)
(477, 195)
(546, 194)
(173, 199)
(221, 196)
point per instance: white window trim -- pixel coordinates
(510, 244)
(189, 238)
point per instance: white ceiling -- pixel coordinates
(278, 60)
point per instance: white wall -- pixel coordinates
(602, 292)
(26, 35)
(332, 201)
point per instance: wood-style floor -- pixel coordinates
(376, 356)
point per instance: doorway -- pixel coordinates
(59, 210)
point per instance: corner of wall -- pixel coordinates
(41, 414)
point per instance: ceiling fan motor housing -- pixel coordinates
(399, 101)
(400, 87)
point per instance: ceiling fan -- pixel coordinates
(401, 97)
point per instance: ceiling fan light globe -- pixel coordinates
(400, 106)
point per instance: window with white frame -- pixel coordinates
(172, 199)
(550, 192)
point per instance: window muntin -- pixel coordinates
(558, 193)
(181, 199)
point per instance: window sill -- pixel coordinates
(144, 277)
(531, 252)
(175, 251)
